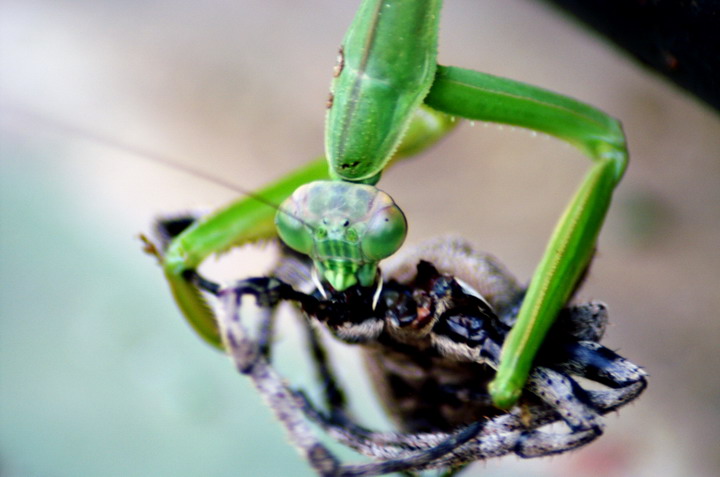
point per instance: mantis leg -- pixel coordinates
(480, 96)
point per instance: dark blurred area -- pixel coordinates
(678, 39)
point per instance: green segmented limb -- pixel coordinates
(479, 96)
(387, 69)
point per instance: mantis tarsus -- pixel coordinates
(389, 99)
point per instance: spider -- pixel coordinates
(431, 334)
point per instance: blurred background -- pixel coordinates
(98, 373)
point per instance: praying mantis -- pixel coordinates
(390, 100)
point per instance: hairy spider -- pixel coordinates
(431, 336)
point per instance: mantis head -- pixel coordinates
(346, 228)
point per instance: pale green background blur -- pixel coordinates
(99, 376)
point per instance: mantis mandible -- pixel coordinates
(389, 99)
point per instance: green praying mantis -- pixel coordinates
(389, 100)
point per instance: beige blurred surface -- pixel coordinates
(238, 90)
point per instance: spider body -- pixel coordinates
(431, 336)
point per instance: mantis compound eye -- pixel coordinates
(292, 231)
(385, 233)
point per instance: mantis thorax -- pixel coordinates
(345, 228)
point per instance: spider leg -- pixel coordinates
(594, 361)
(565, 395)
(365, 441)
(248, 359)
(591, 360)
(513, 432)
(268, 292)
(610, 400)
(400, 452)
(539, 444)
(334, 394)
(418, 460)
(266, 329)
